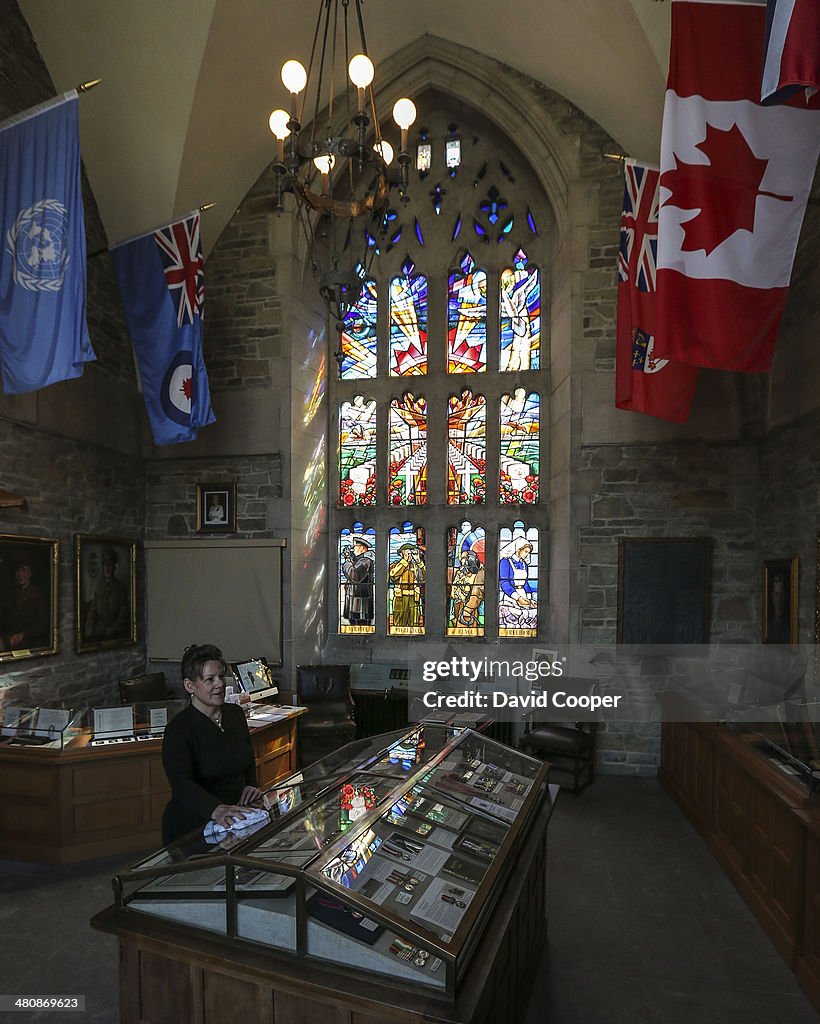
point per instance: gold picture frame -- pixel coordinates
(28, 596)
(779, 603)
(105, 596)
(817, 591)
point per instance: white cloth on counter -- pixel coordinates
(254, 816)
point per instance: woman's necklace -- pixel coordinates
(217, 720)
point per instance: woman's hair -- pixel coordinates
(195, 657)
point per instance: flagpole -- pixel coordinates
(54, 101)
(142, 234)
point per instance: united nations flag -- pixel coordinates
(43, 332)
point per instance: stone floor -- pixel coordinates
(644, 926)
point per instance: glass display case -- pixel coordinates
(41, 727)
(789, 739)
(67, 728)
(130, 723)
(384, 859)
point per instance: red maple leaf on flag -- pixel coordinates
(186, 388)
(724, 191)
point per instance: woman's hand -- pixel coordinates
(229, 814)
(250, 794)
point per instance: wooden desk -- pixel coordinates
(274, 747)
(84, 802)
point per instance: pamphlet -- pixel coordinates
(51, 721)
(11, 721)
(443, 904)
(110, 723)
(158, 719)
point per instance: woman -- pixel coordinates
(518, 598)
(206, 751)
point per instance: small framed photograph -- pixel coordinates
(28, 596)
(106, 592)
(780, 601)
(216, 508)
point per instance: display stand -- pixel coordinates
(346, 936)
(761, 821)
(78, 802)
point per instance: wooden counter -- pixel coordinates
(763, 827)
(82, 802)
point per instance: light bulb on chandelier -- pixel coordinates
(339, 254)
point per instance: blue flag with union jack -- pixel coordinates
(161, 280)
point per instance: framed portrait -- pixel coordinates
(780, 578)
(106, 592)
(817, 600)
(663, 590)
(28, 596)
(216, 508)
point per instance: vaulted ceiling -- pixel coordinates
(181, 117)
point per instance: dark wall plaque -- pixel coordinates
(663, 590)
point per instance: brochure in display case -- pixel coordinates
(39, 727)
(131, 723)
(386, 859)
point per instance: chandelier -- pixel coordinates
(338, 172)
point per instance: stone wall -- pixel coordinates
(789, 510)
(683, 490)
(72, 450)
(243, 335)
(170, 495)
(70, 487)
(671, 491)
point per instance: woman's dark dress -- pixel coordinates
(205, 767)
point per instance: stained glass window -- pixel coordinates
(471, 229)
(357, 452)
(357, 580)
(518, 580)
(408, 323)
(467, 319)
(519, 443)
(466, 449)
(465, 580)
(520, 316)
(406, 575)
(407, 472)
(358, 342)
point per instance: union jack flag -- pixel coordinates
(639, 219)
(181, 252)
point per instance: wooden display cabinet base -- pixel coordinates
(169, 973)
(83, 803)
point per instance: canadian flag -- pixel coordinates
(735, 179)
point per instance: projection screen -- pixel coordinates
(225, 592)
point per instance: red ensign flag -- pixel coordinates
(644, 383)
